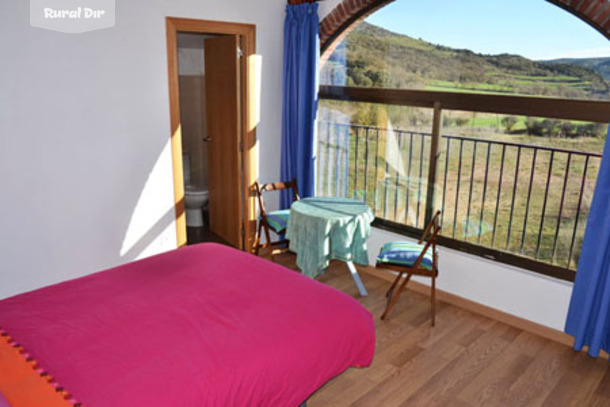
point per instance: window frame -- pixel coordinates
(555, 108)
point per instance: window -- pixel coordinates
(507, 146)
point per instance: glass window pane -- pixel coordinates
(445, 46)
(517, 184)
(378, 154)
(513, 189)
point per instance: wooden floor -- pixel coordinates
(203, 234)
(466, 360)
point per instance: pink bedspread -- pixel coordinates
(201, 326)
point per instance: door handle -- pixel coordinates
(208, 139)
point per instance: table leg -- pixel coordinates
(356, 277)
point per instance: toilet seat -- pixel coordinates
(195, 199)
(191, 190)
(199, 193)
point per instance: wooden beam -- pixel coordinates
(436, 136)
(566, 109)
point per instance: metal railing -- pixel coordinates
(527, 200)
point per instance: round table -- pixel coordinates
(327, 228)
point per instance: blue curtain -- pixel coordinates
(300, 97)
(589, 314)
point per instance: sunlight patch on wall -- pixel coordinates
(151, 228)
(255, 64)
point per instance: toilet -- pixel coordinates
(195, 197)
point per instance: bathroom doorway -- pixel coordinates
(213, 131)
(194, 61)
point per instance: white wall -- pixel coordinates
(190, 61)
(85, 164)
(519, 292)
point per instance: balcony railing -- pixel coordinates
(526, 200)
(517, 203)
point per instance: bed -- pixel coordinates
(205, 325)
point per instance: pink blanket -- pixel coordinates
(201, 326)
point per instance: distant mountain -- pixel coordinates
(373, 56)
(600, 65)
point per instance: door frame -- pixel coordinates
(247, 142)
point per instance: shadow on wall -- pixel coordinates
(143, 244)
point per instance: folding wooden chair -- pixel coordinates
(275, 221)
(411, 259)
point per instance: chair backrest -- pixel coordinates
(429, 236)
(275, 186)
(432, 229)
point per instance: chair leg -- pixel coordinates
(392, 300)
(268, 244)
(433, 299)
(257, 240)
(393, 286)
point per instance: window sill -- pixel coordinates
(546, 269)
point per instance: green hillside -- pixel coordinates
(601, 65)
(373, 56)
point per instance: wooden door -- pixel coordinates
(223, 131)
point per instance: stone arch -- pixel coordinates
(342, 18)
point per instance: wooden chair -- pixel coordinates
(411, 259)
(275, 221)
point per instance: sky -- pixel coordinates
(534, 29)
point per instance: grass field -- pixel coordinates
(558, 77)
(487, 199)
(513, 84)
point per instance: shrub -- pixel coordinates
(509, 123)
(461, 121)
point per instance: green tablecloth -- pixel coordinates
(323, 229)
